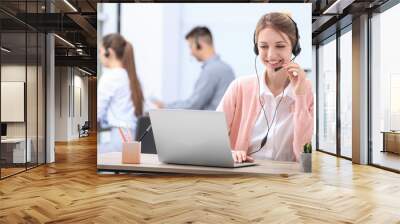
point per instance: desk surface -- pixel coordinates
(13, 140)
(150, 163)
(390, 132)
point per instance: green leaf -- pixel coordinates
(307, 148)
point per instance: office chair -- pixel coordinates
(84, 130)
(148, 145)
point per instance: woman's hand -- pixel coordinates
(241, 156)
(297, 77)
(158, 104)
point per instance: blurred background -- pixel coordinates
(157, 31)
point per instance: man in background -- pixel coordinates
(214, 78)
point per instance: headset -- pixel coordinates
(107, 53)
(200, 31)
(196, 40)
(107, 50)
(296, 48)
(295, 51)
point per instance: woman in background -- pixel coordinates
(119, 95)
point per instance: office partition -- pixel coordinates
(22, 77)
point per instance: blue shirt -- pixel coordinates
(209, 89)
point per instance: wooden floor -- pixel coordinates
(70, 191)
(10, 171)
(387, 159)
(5, 172)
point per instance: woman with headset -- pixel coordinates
(119, 94)
(271, 116)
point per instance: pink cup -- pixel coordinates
(131, 152)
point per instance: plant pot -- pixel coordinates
(306, 162)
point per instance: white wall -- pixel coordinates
(61, 103)
(142, 25)
(157, 32)
(107, 18)
(68, 82)
(80, 103)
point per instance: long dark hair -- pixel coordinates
(124, 52)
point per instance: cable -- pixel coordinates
(259, 96)
(264, 140)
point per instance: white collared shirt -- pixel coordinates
(114, 102)
(279, 145)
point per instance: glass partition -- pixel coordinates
(327, 96)
(13, 105)
(385, 85)
(346, 94)
(22, 88)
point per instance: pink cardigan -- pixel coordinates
(240, 104)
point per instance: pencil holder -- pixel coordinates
(131, 152)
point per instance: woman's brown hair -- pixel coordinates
(124, 52)
(277, 21)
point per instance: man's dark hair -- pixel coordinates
(200, 32)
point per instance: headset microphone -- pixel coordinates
(280, 67)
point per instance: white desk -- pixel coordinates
(149, 163)
(19, 149)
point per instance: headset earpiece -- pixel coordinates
(296, 48)
(255, 49)
(107, 53)
(196, 40)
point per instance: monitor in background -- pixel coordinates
(3, 129)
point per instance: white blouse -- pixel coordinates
(114, 102)
(279, 145)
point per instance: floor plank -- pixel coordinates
(70, 191)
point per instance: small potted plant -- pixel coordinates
(306, 161)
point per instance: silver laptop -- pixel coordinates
(192, 137)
